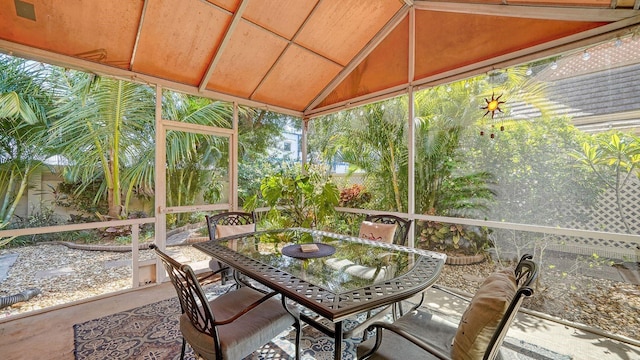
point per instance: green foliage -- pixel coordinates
(45, 216)
(614, 157)
(104, 127)
(372, 139)
(346, 223)
(259, 131)
(251, 173)
(65, 195)
(85, 236)
(196, 163)
(297, 198)
(24, 101)
(535, 177)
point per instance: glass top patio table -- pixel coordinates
(359, 276)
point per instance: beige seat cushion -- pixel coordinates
(228, 230)
(247, 333)
(481, 318)
(378, 232)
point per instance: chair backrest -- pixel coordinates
(493, 309)
(402, 230)
(229, 219)
(526, 272)
(193, 301)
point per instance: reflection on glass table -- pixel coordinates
(359, 276)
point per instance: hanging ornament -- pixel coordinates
(493, 105)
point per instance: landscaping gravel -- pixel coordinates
(65, 275)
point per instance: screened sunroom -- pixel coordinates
(498, 128)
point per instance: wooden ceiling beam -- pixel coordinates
(562, 13)
(135, 45)
(237, 16)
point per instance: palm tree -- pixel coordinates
(104, 128)
(376, 143)
(443, 186)
(24, 101)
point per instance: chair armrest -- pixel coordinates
(246, 310)
(410, 337)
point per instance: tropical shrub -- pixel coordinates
(297, 197)
(355, 196)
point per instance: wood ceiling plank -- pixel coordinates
(100, 31)
(440, 46)
(339, 29)
(387, 66)
(375, 41)
(248, 57)
(270, 15)
(296, 79)
(178, 39)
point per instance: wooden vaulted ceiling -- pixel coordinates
(301, 57)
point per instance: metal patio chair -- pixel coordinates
(422, 335)
(402, 226)
(231, 326)
(226, 224)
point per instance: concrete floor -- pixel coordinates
(574, 340)
(48, 334)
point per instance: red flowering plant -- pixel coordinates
(355, 196)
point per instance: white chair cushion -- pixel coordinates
(351, 268)
(228, 230)
(378, 232)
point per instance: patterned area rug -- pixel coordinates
(151, 332)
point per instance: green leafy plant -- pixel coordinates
(453, 238)
(297, 198)
(614, 157)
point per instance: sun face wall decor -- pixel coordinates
(493, 105)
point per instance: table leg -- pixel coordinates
(337, 354)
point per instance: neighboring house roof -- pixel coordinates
(599, 91)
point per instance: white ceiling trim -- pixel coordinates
(135, 45)
(65, 61)
(564, 13)
(358, 101)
